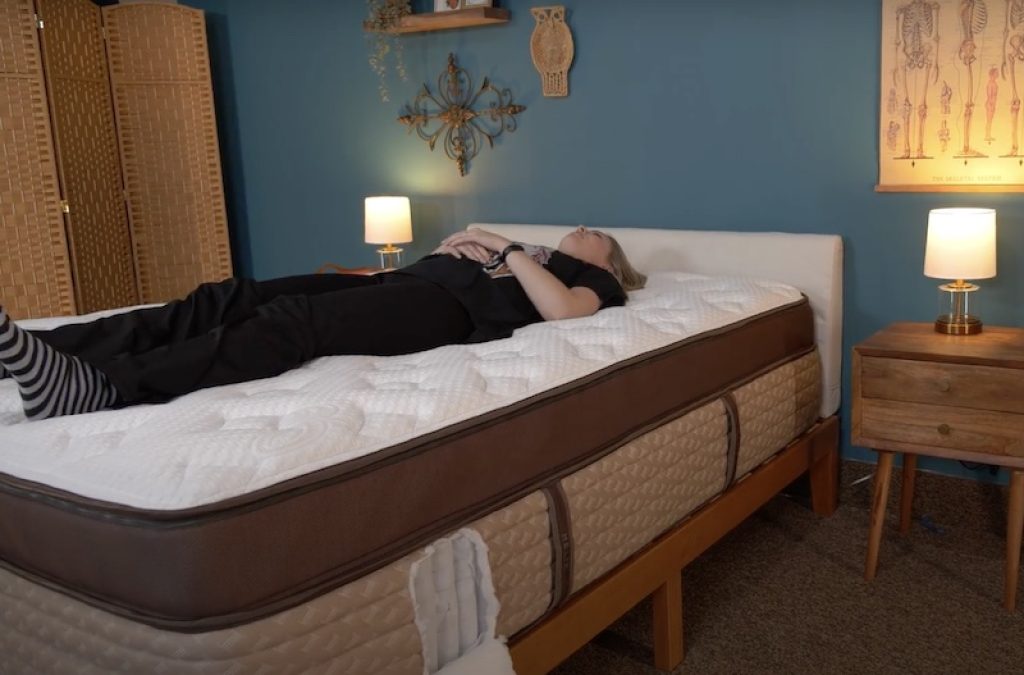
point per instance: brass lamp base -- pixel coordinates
(955, 316)
(390, 257)
(947, 324)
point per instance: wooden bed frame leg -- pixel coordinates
(668, 623)
(824, 471)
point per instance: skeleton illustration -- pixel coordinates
(944, 136)
(991, 96)
(1013, 51)
(973, 19)
(946, 97)
(890, 101)
(892, 135)
(917, 23)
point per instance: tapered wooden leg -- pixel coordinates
(1014, 527)
(907, 492)
(668, 624)
(824, 473)
(883, 472)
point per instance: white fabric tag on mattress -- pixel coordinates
(455, 604)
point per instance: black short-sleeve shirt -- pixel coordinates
(497, 306)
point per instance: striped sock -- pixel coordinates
(51, 383)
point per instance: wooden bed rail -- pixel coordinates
(658, 568)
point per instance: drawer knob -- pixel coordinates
(944, 385)
(944, 429)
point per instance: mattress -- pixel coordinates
(234, 504)
(616, 506)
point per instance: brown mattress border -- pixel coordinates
(343, 573)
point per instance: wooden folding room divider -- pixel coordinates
(85, 140)
(111, 190)
(35, 266)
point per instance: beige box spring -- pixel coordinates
(628, 498)
(776, 408)
(623, 501)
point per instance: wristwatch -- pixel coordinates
(510, 249)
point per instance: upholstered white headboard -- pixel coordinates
(812, 263)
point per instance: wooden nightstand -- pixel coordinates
(921, 393)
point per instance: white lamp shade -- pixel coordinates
(388, 220)
(961, 244)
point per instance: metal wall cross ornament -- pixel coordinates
(454, 109)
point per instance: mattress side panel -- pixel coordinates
(776, 408)
(363, 628)
(623, 501)
(518, 539)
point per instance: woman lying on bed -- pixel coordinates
(476, 286)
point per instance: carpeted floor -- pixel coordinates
(785, 592)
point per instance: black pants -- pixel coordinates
(240, 330)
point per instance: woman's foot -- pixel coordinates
(51, 383)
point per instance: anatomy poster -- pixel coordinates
(952, 82)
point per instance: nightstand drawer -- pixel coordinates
(948, 384)
(934, 426)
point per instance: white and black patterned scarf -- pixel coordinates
(496, 268)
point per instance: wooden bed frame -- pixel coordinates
(657, 569)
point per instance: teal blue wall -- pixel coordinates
(706, 114)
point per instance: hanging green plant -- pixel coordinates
(381, 24)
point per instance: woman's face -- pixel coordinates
(589, 246)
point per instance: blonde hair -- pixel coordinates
(628, 276)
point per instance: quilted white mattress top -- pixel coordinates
(228, 441)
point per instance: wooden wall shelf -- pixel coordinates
(459, 18)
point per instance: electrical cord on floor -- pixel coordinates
(862, 479)
(978, 466)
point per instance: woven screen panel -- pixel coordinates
(160, 73)
(87, 152)
(35, 270)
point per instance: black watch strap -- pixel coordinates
(510, 249)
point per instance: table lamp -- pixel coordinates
(389, 222)
(961, 245)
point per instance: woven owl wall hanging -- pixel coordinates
(552, 49)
